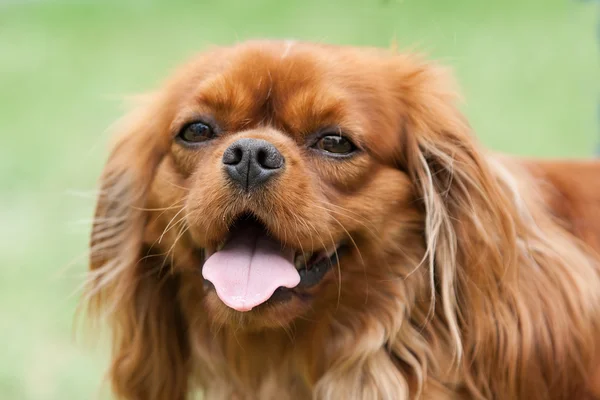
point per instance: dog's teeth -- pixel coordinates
(301, 260)
(331, 251)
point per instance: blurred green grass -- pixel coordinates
(528, 71)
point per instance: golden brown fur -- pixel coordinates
(471, 276)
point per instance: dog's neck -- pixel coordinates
(268, 364)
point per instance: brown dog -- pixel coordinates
(293, 220)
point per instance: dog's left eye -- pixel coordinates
(335, 144)
(196, 132)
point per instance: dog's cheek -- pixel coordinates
(164, 203)
(208, 205)
(169, 186)
(385, 197)
(344, 175)
(185, 161)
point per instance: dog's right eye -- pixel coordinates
(196, 132)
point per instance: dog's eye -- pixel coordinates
(335, 144)
(196, 132)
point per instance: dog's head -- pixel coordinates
(278, 182)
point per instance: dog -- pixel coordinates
(290, 220)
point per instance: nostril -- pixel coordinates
(233, 155)
(239, 154)
(269, 158)
(261, 157)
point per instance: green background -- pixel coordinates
(528, 69)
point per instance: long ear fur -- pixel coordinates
(518, 294)
(150, 352)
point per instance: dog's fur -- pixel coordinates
(471, 275)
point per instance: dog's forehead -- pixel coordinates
(297, 87)
(281, 85)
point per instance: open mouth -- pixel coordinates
(249, 267)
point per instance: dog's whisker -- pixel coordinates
(171, 250)
(374, 237)
(182, 231)
(299, 242)
(364, 222)
(347, 213)
(287, 331)
(351, 239)
(177, 186)
(99, 221)
(339, 271)
(167, 228)
(174, 206)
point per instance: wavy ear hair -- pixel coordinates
(150, 352)
(501, 270)
(461, 197)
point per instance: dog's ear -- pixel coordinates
(126, 288)
(467, 213)
(497, 260)
(125, 181)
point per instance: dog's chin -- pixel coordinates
(253, 281)
(273, 314)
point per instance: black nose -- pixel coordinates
(252, 162)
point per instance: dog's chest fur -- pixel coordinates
(252, 367)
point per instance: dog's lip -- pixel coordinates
(318, 269)
(302, 259)
(306, 260)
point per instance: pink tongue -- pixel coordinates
(249, 269)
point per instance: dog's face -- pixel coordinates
(281, 174)
(276, 180)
